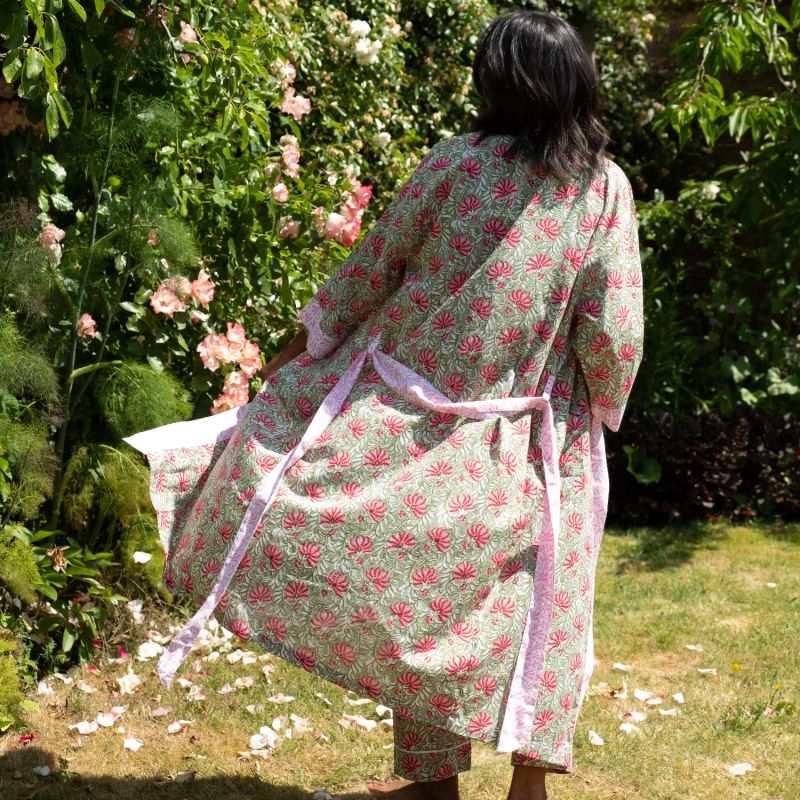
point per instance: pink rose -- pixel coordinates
(202, 289)
(165, 301)
(188, 33)
(295, 105)
(290, 153)
(215, 350)
(235, 393)
(51, 235)
(86, 328)
(334, 225)
(285, 71)
(250, 359)
(236, 334)
(289, 228)
(280, 192)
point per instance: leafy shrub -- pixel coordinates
(10, 689)
(707, 467)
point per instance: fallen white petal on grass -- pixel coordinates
(678, 697)
(619, 694)
(267, 670)
(243, 683)
(134, 745)
(129, 683)
(642, 694)
(65, 679)
(254, 708)
(42, 771)
(85, 686)
(348, 720)
(697, 648)
(135, 610)
(740, 769)
(185, 775)
(226, 689)
(148, 650)
(383, 711)
(629, 728)
(161, 711)
(265, 738)
(280, 698)
(44, 689)
(300, 726)
(669, 712)
(176, 726)
(707, 670)
(105, 720)
(634, 716)
(183, 683)
(361, 701)
(323, 698)
(195, 694)
(621, 667)
(84, 727)
(140, 557)
(596, 739)
(655, 701)
(771, 585)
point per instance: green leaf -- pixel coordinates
(12, 67)
(641, 466)
(794, 13)
(67, 640)
(61, 202)
(34, 62)
(78, 9)
(51, 116)
(99, 7)
(64, 108)
(56, 39)
(48, 591)
(155, 363)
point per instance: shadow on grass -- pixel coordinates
(19, 782)
(665, 548)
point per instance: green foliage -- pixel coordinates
(10, 688)
(18, 571)
(24, 370)
(134, 397)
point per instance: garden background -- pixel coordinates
(178, 180)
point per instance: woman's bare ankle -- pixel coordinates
(528, 783)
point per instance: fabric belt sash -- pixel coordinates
(518, 719)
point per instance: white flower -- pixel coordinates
(141, 557)
(367, 51)
(383, 139)
(359, 28)
(710, 190)
(133, 744)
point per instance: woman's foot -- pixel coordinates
(446, 789)
(527, 783)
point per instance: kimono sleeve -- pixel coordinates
(373, 271)
(608, 315)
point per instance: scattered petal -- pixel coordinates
(129, 683)
(698, 648)
(619, 694)
(362, 701)
(596, 739)
(42, 771)
(655, 701)
(178, 725)
(708, 671)
(634, 716)
(141, 557)
(133, 744)
(186, 775)
(323, 698)
(84, 728)
(642, 694)
(195, 694)
(44, 689)
(265, 738)
(105, 720)
(348, 720)
(85, 686)
(678, 697)
(669, 712)
(161, 711)
(243, 683)
(27, 738)
(629, 728)
(183, 683)
(621, 667)
(771, 585)
(739, 769)
(254, 708)
(280, 697)
(226, 689)
(383, 711)
(148, 650)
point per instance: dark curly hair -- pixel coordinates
(538, 84)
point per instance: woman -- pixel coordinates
(412, 505)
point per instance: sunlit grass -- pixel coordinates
(705, 585)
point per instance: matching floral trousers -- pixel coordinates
(424, 752)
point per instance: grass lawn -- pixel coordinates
(734, 591)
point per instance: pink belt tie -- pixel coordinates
(411, 386)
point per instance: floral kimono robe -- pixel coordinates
(413, 508)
